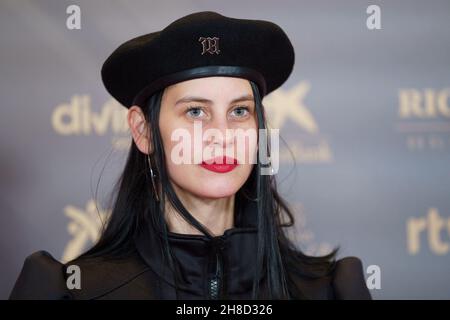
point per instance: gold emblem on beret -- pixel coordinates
(210, 44)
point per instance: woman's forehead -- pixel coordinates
(211, 88)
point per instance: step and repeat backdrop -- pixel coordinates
(364, 121)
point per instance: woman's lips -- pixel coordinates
(220, 164)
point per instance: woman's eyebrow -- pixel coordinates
(247, 97)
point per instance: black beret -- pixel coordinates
(198, 45)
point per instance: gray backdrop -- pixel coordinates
(365, 113)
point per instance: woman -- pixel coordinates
(208, 229)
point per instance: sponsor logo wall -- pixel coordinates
(364, 124)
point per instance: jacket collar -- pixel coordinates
(197, 256)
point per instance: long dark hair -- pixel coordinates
(135, 210)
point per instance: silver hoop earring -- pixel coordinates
(153, 177)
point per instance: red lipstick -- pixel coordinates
(220, 164)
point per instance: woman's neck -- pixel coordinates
(217, 215)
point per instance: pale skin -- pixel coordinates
(208, 196)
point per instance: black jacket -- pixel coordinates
(220, 268)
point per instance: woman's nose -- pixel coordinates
(220, 133)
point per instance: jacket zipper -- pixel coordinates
(215, 282)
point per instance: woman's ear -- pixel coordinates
(140, 129)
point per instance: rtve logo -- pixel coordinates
(433, 227)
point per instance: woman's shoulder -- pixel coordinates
(325, 278)
(348, 279)
(41, 277)
(44, 277)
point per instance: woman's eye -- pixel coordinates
(194, 112)
(198, 112)
(240, 111)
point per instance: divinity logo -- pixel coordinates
(237, 146)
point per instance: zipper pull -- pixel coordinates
(215, 282)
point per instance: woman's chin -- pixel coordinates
(216, 192)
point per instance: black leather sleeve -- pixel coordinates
(349, 282)
(41, 278)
